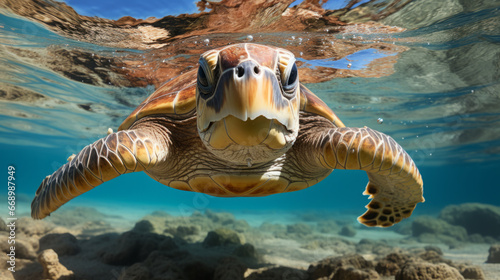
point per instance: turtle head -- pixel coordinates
(247, 102)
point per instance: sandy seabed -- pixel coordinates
(142, 242)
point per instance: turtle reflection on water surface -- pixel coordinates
(241, 125)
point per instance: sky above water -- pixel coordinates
(137, 9)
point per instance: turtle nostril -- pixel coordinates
(240, 71)
(256, 69)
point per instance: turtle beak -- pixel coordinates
(252, 95)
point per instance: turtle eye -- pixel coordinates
(290, 80)
(202, 81)
(202, 77)
(292, 77)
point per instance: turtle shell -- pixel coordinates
(178, 97)
(175, 97)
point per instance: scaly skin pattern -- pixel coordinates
(395, 185)
(118, 153)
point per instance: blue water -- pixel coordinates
(442, 107)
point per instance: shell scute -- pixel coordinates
(175, 97)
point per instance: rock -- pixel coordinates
(403, 228)
(472, 272)
(3, 225)
(381, 248)
(494, 254)
(6, 275)
(476, 238)
(131, 247)
(197, 268)
(158, 223)
(6, 263)
(299, 229)
(364, 246)
(378, 247)
(226, 220)
(425, 224)
(190, 227)
(387, 268)
(352, 273)
(241, 226)
(392, 263)
(24, 248)
(327, 226)
(163, 267)
(136, 271)
(183, 231)
(348, 231)
(62, 243)
(220, 218)
(168, 244)
(277, 273)
(478, 218)
(428, 271)
(435, 249)
(328, 266)
(245, 251)
(229, 269)
(52, 269)
(156, 266)
(144, 226)
(434, 257)
(221, 237)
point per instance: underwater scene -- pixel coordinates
(336, 79)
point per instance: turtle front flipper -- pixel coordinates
(395, 184)
(119, 153)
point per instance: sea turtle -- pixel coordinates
(240, 125)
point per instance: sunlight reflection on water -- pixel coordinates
(355, 61)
